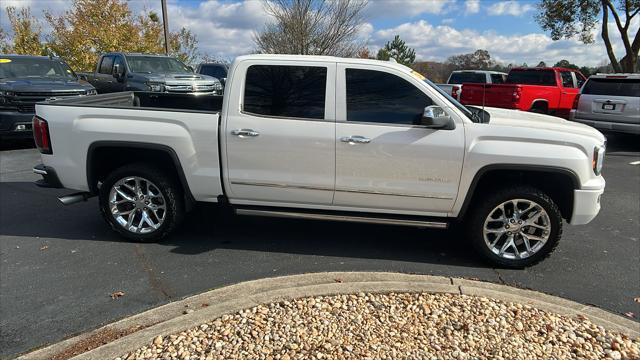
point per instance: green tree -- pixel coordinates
(397, 50)
(571, 18)
(566, 64)
(93, 27)
(479, 59)
(27, 32)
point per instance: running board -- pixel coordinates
(377, 219)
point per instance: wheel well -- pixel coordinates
(558, 184)
(102, 159)
(540, 105)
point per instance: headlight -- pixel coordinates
(155, 86)
(598, 159)
(92, 92)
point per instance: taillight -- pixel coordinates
(576, 100)
(41, 135)
(454, 91)
(516, 94)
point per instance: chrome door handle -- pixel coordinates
(355, 139)
(245, 132)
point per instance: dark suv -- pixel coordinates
(216, 70)
(26, 80)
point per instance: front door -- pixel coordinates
(385, 160)
(280, 139)
(568, 93)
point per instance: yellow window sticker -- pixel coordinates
(418, 76)
(4, 61)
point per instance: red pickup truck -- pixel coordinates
(543, 90)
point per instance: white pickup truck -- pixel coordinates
(326, 138)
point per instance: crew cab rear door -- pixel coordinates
(280, 137)
(385, 160)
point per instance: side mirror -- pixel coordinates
(434, 117)
(223, 81)
(118, 71)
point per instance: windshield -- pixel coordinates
(532, 77)
(217, 71)
(156, 65)
(34, 67)
(467, 77)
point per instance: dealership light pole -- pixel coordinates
(165, 23)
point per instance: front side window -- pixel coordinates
(106, 65)
(580, 79)
(285, 91)
(567, 79)
(379, 97)
(497, 78)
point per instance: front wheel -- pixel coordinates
(516, 227)
(141, 202)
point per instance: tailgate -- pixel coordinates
(609, 108)
(493, 95)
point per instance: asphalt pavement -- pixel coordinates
(59, 265)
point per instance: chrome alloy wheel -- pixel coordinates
(516, 229)
(137, 204)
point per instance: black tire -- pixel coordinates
(168, 187)
(485, 206)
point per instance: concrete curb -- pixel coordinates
(171, 318)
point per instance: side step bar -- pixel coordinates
(342, 217)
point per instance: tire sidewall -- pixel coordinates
(174, 205)
(477, 228)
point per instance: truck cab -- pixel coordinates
(117, 72)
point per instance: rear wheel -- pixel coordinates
(141, 202)
(516, 227)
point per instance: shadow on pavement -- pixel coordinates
(209, 227)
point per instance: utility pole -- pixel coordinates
(165, 23)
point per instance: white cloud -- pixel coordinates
(471, 6)
(436, 43)
(511, 7)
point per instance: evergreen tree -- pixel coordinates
(399, 51)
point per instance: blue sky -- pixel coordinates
(435, 28)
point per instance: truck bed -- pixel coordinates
(147, 100)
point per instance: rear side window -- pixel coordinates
(285, 91)
(567, 79)
(106, 65)
(497, 78)
(619, 87)
(532, 77)
(379, 97)
(467, 77)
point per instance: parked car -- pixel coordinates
(216, 70)
(314, 137)
(542, 90)
(609, 102)
(458, 77)
(25, 80)
(117, 72)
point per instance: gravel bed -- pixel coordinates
(393, 326)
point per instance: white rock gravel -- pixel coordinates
(392, 326)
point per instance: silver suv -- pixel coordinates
(609, 102)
